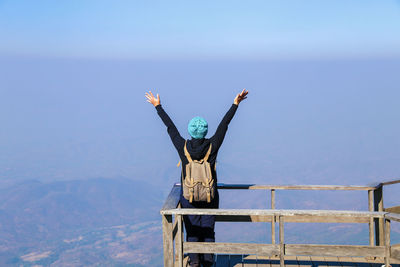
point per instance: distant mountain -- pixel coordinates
(38, 219)
(116, 222)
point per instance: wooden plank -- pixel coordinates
(391, 182)
(395, 251)
(303, 261)
(273, 241)
(230, 248)
(332, 261)
(243, 218)
(250, 260)
(378, 207)
(281, 242)
(266, 212)
(346, 261)
(387, 242)
(291, 261)
(294, 187)
(334, 250)
(273, 261)
(318, 261)
(326, 219)
(371, 220)
(168, 241)
(172, 200)
(395, 209)
(179, 243)
(297, 219)
(393, 217)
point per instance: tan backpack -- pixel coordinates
(198, 185)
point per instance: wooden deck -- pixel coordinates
(295, 261)
(377, 252)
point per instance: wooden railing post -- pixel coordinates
(378, 206)
(179, 243)
(168, 242)
(281, 242)
(371, 220)
(387, 242)
(273, 217)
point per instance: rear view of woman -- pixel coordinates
(197, 154)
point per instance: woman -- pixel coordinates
(199, 228)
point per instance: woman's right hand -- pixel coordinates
(151, 99)
(240, 97)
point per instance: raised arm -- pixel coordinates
(173, 132)
(219, 135)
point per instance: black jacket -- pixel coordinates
(197, 148)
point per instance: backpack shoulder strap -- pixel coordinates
(189, 158)
(208, 153)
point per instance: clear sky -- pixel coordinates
(201, 29)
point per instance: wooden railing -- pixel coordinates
(377, 218)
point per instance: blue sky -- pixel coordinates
(71, 108)
(201, 29)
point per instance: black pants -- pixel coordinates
(200, 228)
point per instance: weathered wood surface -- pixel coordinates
(230, 248)
(387, 242)
(172, 200)
(371, 220)
(334, 250)
(179, 239)
(296, 261)
(393, 217)
(243, 218)
(168, 241)
(292, 219)
(378, 206)
(273, 241)
(295, 187)
(395, 209)
(266, 212)
(395, 251)
(281, 241)
(391, 182)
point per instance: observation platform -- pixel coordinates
(378, 252)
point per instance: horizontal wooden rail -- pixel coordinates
(231, 248)
(296, 219)
(270, 212)
(289, 249)
(334, 250)
(294, 187)
(393, 216)
(172, 200)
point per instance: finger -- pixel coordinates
(151, 94)
(158, 97)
